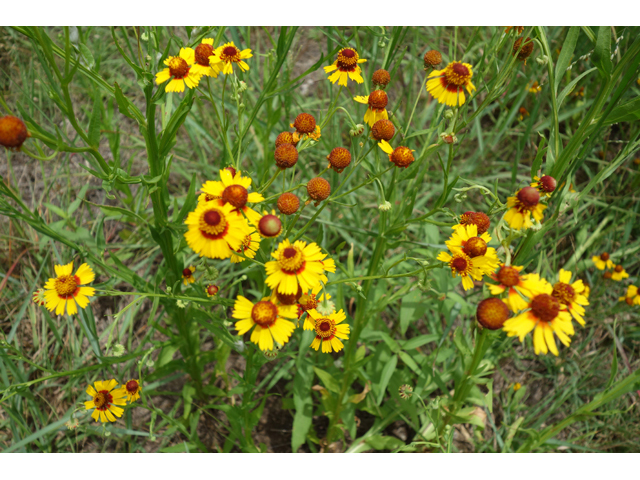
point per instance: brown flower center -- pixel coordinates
(132, 386)
(289, 299)
(545, 307)
(230, 54)
(308, 301)
(203, 52)
(102, 400)
(459, 264)
(186, 272)
(291, 259)
(325, 328)
(604, 257)
(378, 100)
(564, 292)
(236, 195)
(528, 197)
(508, 276)
(178, 67)
(66, 285)
(619, 268)
(475, 247)
(213, 223)
(457, 74)
(264, 313)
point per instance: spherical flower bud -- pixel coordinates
(286, 156)
(448, 114)
(354, 132)
(305, 123)
(285, 137)
(405, 391)
(211, 290)
(232, 170)
(492, 313)
(526, 49)
(318, 189)
(383, 130)
(378, 100)
(475, 247)
(236, 195)
(13, 132)
(479, 219)
(448, 138)
(548, 183)
(607, 275)
(432, 59)
(528, 196)
(290, 299)
(618, 268)
(269, 226)
(288, 203)
(381, 78)
(402, 157)
(339, 159)
(384, 207)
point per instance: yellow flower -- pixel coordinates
(517, 387)
(187, 275)
(447, 85)
(269, 319)
(215, 231)
(545, 316)
(329, 330)
(232, 188)
(211, 290)
(571, 295)
(377, 102)
(227, 55)
(249, 247)
(534, 87)
(202, 65)
(400, 156)
(297, 263)
(105, 400)
(619, 273)
(522, 206)
(465, 239)
(308, 302)
(510, 280)
(346, 66)
(132, 390)
(466, 267)
(602, 261)
(632, 297)
(179, 71)
(65, 289)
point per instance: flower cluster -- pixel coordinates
(613, 271)
(65, 292)
(107, 400)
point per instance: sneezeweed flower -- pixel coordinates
(383, 130)
(523, 51)
(211, 290)
(432, 59)
(466, 267)
(447, 85)
(179, 70)
(309, 301)
(465, 239)
(346, 67)
(286, 155)
(288, 203)
(39, 298)
(619, 273)
(518, 30)
(545, 316)
(232, 189)
(517, 386)
(545, 184)
(132, 390)
(65, 290)
(285, 137)
(377, 102)
(522, 113)
(339, 159)
(492, 313)
(226, 55)
(270, 225)
(400, 156)
(105, 400)
(607, 275)
(329, 330)
(215, 231)
(202, 65)
(306, 127)
(249, 247)
(187, 275)
(602, 261)
(510, 280)
(571, 295)
(296, 263)
(13, 132)
(479, 219)
(381, 78)
(269, 319)
(632, 297)
(318, 189)
(535, 87)
(522, 206)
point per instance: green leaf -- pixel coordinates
(602, 54)
(420, 341)
(412, 307)
(569, 88)
(382, 442)
(564, 59)
(387, 372)
(121, 100)
(327, 380)
(614, 365)
(109, 210)
(87, 56)
(627, 112)
(303, 402)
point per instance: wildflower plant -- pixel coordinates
(407, 239)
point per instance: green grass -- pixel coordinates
(113, 166)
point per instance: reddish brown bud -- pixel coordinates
(548, 183)
(492, 313)
(286, 155)
(13, 132)
(383, 130)
(528, 196)
(269, 226)
(288, 203)
(318, 189)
